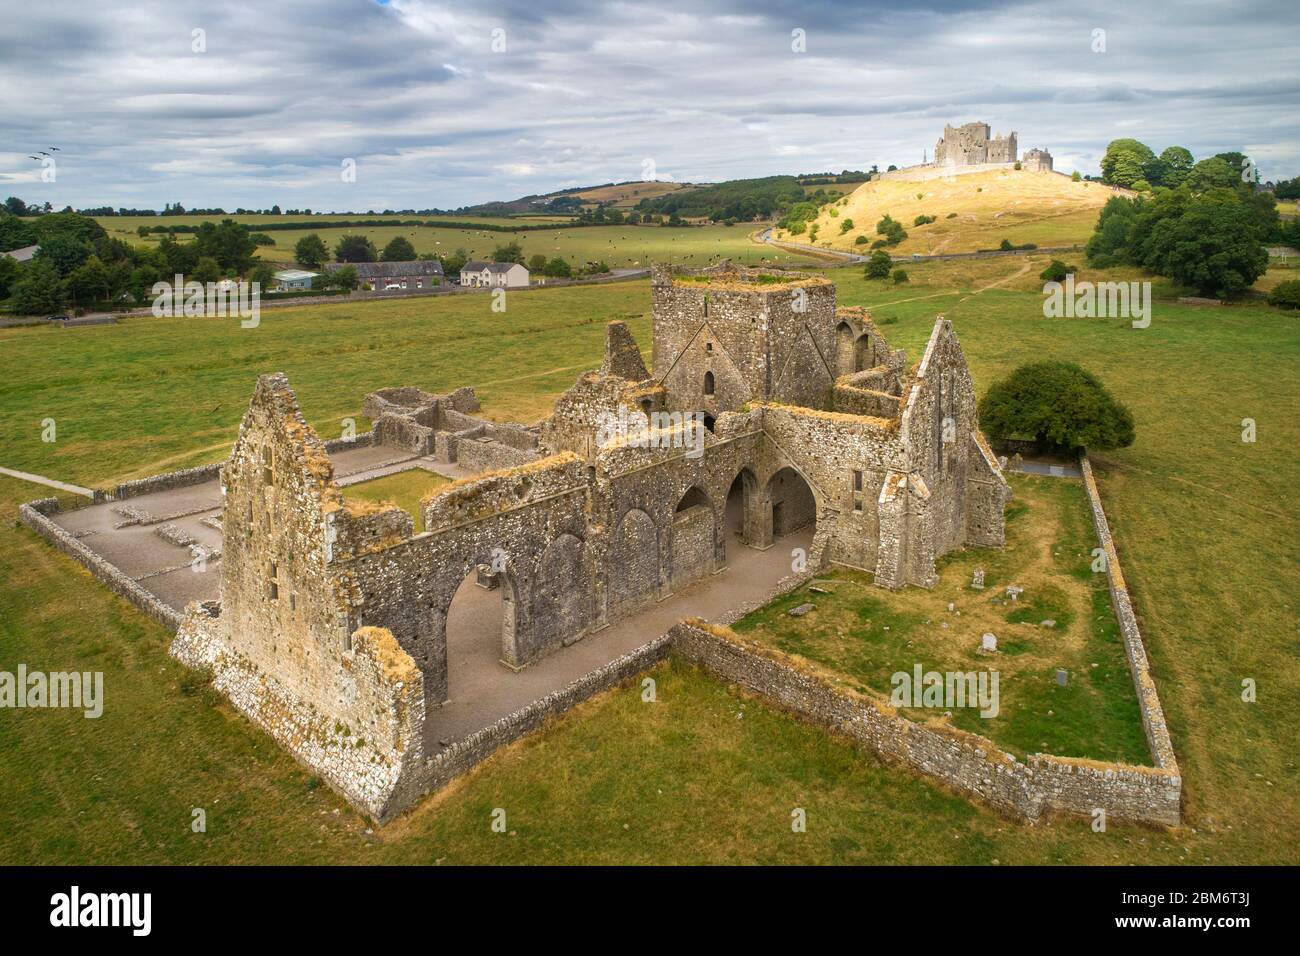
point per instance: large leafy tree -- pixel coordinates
(1125, 162)
(1214, 246)
(310, 252)
(1108, 246)
(399, 249)
(511, 252)
(14, 233)
(1211, 173)
(1057, 404)
(40, 290)
(355, 248)
(1177, 162)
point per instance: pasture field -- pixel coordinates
(1205, 525)
(617, 246)
(973, 212)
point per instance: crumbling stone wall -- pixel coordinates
(970, 764)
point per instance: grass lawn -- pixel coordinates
(1205, 524)
(404, 489)
(867, 635)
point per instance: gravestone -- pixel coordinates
(977, 579)
(989, 643)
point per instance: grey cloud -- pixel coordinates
(586, 90)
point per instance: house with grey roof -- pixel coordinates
(497, 275)
(23, 254)
(396, 276)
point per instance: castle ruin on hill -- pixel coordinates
(763, 396)
(973, 148)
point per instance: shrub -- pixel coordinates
(878, 265)
(891, 229)
(900, 276)
(1286, 295)
(1057, 404)
(1017, 164)
(860, 240)
(923, 220)
(845, 226)
(1057, 271)
(951, 215)
(1075, 177)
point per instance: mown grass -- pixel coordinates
(1205, 524)
(867, 635)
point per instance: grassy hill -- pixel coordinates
(975, 211)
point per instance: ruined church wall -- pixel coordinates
(365, 741)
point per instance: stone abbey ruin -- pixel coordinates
(573, 554)
(806, 413)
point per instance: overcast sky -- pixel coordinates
(435, 113)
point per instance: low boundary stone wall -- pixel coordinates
(35, 515)
(1153, 715)
(966, 762)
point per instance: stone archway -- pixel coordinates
(480, 628)
(743, 514)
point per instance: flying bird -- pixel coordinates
(42, 152)
(55, 148)
(37, 158)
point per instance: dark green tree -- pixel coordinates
(310, 252)
(1057, 404)
(39, 290)
(878, 265)
(399, 249)
(1124, 161)
(355, 248)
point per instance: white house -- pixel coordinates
(507, 275)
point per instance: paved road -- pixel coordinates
(49, 482)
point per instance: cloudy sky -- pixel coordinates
(444, 105)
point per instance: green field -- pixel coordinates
(1205, 525)
(617, 246)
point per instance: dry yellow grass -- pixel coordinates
(1043, 208)
(628, 194)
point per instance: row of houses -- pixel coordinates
(412, 275)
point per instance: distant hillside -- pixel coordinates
(739, 200)
(972, 212)
(574, 200)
